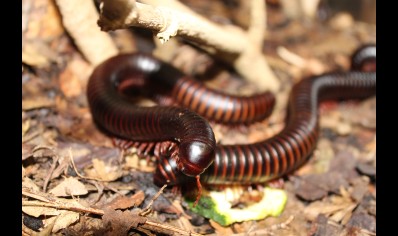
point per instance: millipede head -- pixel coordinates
(195, 157)
(364, 58)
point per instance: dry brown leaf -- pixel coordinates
(61, 104)
(63, 163)
(344, 128)
(50, 205)
(326, 208)
(50, 222)
(330, 119)
(122, 187)
(132, 161)
(37, 211)
(121, 221)
(82, 69)
(28, 183)
(44, 21)
(104, 172)
(31, 170)
(31, 56)
(70, 203)
(345, 196)
(314, 66)
(69, 83)
(69, 187)
(65, 219)
(221, 230)
(135, 162)
(343, 213)
(123, 202)
(165, 51)
(23, 172)
(37, 102)
(25, 127)
(322, 155)
(342, 21)
(177, 204)
(184, 223)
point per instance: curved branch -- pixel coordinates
(258, 23)
(95, 45)
(168, 22)
(234, 45)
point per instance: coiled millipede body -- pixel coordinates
(116, 79)
(120, 118)
(165, 84)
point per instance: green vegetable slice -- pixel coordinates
(217, 208)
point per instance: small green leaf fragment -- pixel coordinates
(217, 208)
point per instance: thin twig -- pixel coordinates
(283, 225)
(39, 147)
(47, 180)
(100, 189)
(146, 232)
(269, 230)
(367, 232)
(48, 200)
(31, 136)
(290, 57)
(63, 206)
(146, 210)
(33, 194)
(77, 172)
(151, 225)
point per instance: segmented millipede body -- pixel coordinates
(112, 83)
(160, 81)
(112, 112)
(285, 152)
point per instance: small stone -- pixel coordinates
(341, 21)
(343, 129)
(309, 189)
(321, 227)
(363, 220)
(366, 169)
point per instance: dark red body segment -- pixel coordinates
(220, 107)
